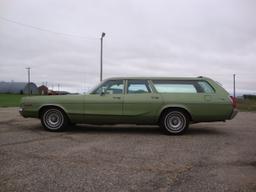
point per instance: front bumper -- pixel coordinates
(21, 111)
(28, 113)
(234, 113)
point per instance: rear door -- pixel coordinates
(140, 102)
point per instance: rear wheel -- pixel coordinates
(54, 119)
(174, 122)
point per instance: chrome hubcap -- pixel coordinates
(175, 121)
(53, 119)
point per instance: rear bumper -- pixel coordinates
(233, 114)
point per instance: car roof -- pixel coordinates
(158, 78)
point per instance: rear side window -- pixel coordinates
(206, 87)
(169, 86)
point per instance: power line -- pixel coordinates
(46, 30)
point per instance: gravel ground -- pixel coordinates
(209, 157)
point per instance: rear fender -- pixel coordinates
(177, 106)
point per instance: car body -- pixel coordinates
(172, 103)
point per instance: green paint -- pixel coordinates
(138, 108)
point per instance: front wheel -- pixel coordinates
(53, 119)
(174, 122)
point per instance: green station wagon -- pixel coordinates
(171, 103)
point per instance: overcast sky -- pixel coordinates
(213, 38)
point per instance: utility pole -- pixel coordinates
(58, 89)
(234, 85)
(101, 54)
(28, 68)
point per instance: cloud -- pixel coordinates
(143, 38)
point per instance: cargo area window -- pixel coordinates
(170, 86)
(206, 87)
(137, 87)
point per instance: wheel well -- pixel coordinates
(51, 106)
(175, 108)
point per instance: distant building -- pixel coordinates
(52, 92)
(18, 87)
(43, 90)
(249, 96)
(62, 92)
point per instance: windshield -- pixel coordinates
(110, 87)
(93, 89)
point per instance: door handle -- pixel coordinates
(155, 97)
(116, 97)
(207, 97)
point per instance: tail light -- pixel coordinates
(233, 101)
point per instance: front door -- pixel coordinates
(105, 104)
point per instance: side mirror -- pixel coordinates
(103, 91)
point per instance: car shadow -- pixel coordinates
(139, 129)
(115, 129)
(205, 131)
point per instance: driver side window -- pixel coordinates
(111, 87)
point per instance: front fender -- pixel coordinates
(50, 105)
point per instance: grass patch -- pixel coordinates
(10, 100)
(246, 104)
